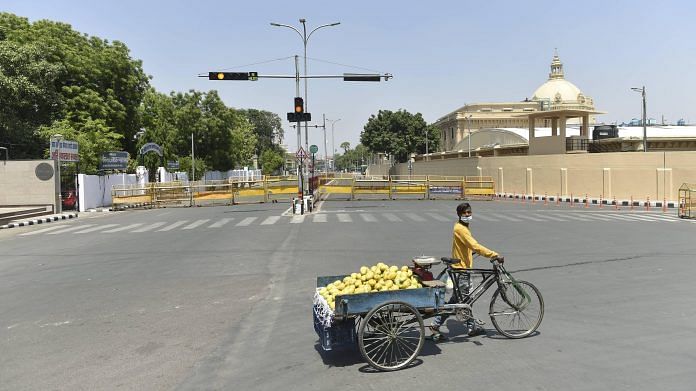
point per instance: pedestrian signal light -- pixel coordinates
(299, 105)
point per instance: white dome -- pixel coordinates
(557, 90)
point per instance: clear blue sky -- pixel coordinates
(442, 54)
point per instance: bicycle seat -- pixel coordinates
(450, 261)
(425, 261)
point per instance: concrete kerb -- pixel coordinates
(591, 201)
(42, 220)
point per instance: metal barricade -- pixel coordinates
(408, 187)
(479, 187)
(687, 201)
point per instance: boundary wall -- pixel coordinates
(95, 190)
(623, 176)
(20, 185)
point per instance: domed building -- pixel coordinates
(556, 94)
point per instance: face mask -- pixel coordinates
(465, 219)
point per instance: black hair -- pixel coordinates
(462, 208)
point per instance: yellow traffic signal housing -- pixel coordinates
(299, 105)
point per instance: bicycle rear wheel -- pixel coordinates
(518, 312)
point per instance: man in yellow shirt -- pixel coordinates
(463, 247)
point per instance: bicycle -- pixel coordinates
(516, 309)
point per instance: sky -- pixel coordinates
(442, 54)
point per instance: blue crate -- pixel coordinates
(341, 334)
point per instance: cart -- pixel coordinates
(387, 326)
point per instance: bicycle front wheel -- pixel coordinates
(517, 312)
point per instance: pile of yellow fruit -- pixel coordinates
(378, 278)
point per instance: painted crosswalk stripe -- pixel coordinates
(596, 217)
(414, 217)
(270, 220)
(196, 223)
(246, 222)
(528, 217)
(504, 217)
(552, 217)
(150, 227)
(437, 217)
(629, 218)
(172, 226)
(221, 222)
(43, 230)
(484, 217)
(70, 229)
(297, 219)
(97, 228)
(319, 218)
(618, 217)
(391, 217)
(663, 218)
(368, 217)
(344, 218)
(574, 216)
(124, 228)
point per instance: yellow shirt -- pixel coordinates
(463, 244)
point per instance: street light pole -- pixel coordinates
(59, 200)
(305, 38)
(426, 144)
(333, 147)
(645, 131)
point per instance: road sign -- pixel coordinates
(301, 154)
(117, 160)
(313, 149)
(173, 164)
(68, 150)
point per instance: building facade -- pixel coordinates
(556, 93)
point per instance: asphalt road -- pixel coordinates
(220, 298)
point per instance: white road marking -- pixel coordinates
(528, 217)
(504, 217)
(97, 228)
(549, 216)
(270, 220)
(437, 217)
(43, 230)
(368, 217)
(246, 221)
(297, 219)
(414, 217)
(196, 223)
(70, 229)
(392, 217)
(484, 217)
(151, 226)
(344, 218)
(172, 226)
(319, 218)
(573, 216)
(124, 228)
(220, 223)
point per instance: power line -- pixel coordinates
(344, 65)
(254, 63)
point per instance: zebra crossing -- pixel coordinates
(425, 217)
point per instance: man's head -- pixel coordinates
(464, 210)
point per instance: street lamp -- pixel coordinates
(333, 147)
(59, 200)
(645, 131)
(468, 125)
(305, 37)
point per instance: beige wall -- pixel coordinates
(19, 185)
(656, 175)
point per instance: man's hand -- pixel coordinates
(498, 258)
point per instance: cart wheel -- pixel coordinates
(391, 336)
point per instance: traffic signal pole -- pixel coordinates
(300, 168)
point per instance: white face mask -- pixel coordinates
(466, 219)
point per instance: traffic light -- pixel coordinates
(299, 105)
(361, 77)
(229, 75)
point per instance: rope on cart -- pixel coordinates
(322, 310)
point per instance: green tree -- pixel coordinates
(267, 128)
(271, 161)
(346, 146)
(399, 134)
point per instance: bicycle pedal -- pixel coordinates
(480, 322)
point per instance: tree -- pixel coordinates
(267, 128)
(399, 134)
(346, 146)
(271, 161)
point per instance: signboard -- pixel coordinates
(313, 149)
(114, 160)
(173, 164)
(68, 150)
(151, 147)
(301, 154)
(299, 117)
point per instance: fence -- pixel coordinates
(407, 187)
(687, 201)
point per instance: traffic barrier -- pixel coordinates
(664, 205)
(616, 204)
(546, 199)
(558, 201)
(631, 203)
(587, 201)
(571, 200)
(601, 201)
(647, 204)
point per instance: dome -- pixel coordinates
(557, 89)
